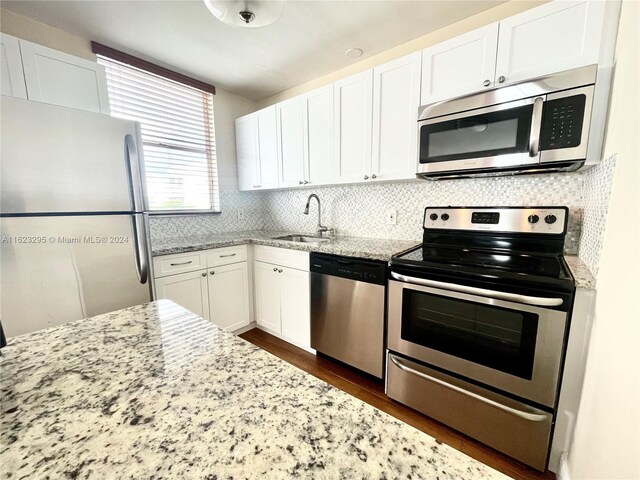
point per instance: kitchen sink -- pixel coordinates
(302, 239)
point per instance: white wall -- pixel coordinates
(227, 106)
(606, 442)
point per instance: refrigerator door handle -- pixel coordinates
(133, 169)
(142, 263)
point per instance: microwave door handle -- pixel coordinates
(511, 297)
(536, 123)
(532, 417)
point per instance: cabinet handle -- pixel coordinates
(501, 79)
(275, 269)
(230, 255)
(366, 177)
(181, 263)
(486, 83)
(204, 274)
(212, 272)
(300, 182)
(279, 270)
(374, 176)
(306, 181)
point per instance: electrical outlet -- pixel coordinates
(240, 214)
(392, 216)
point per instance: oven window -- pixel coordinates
(494, 133)
(495, 337)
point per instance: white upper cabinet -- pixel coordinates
(556, 36)
(257, 150)
(462, 65)
(247, 152)
(396, 98)
(11, 73)
(266, 126)
(62, 79)
(321, 167)
(353, 105)
(291, 157)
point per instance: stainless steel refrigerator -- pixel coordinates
(74, 239)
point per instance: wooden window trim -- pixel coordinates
(114, 54)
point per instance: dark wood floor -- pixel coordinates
(371, 390)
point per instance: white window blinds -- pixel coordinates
(178, 136)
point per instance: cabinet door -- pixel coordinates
(266, 126)
(186, 289)
(321, 167)
(462, 65)
(396, 98)
(229, 296)
(12, 75)
(61, 79)
(551, 38)
(291, 143)
(353, 111)
(267, 296)
(295, 304)
(247, 152)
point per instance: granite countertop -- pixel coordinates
(581, 273)
(360, 247)
(154, 391)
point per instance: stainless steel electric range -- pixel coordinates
(478, 317)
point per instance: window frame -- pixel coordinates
(208, 117)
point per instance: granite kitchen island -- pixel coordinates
(154, 391)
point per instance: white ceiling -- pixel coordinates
(308, 41)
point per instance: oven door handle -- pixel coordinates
(512, 297)
(532, 417)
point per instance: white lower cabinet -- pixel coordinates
(229, 296)
(188, 290)
(267, 296)
(282, 294)
(295, 302)
(220, 293)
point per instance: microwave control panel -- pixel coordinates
(562, 120)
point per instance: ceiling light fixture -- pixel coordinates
(353, 52)
(246, 13)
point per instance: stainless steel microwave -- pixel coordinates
(530, 127)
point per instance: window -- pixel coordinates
(177, 132)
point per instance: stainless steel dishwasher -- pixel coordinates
(348, 310)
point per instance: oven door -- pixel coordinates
(511, 346)
(499, 136)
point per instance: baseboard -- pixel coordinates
(246, 328)
(286, 339)
(563, 468)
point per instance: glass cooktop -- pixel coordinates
(459, 258)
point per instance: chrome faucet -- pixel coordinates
(321, 228)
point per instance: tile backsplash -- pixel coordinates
(597, 190)
(361, 210)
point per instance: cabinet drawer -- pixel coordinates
(283, 257)
(178, 263)
(226, 255)
(520, 431)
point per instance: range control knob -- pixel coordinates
(533, 218)
(445, 216)
(550, 219)
(433, 216)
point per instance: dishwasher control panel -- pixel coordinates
(369, 271)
